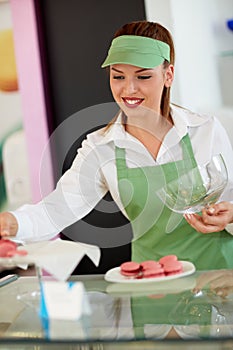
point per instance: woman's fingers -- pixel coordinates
(8, 225)
(196, 221)
(4, 225)
(222, 207)
(221, 211)
(213, 219)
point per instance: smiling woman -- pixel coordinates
(128, 48)
(150, 143)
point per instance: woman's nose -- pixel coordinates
(130, 86)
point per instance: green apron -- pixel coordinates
(157, 231)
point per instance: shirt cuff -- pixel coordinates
(25, 226)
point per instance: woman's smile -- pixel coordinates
(132, 102)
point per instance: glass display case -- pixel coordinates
(191, 312)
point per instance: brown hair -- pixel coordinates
(155, 31)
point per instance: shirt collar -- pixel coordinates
(182, 118)
(114, 133)
(117, 134)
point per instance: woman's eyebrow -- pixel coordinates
(137, 71)
(143, 70)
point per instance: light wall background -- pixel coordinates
(204, 50)
(13, 152)
(10, 102)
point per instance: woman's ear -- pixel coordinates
(169, 76)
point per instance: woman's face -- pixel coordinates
(134, 87)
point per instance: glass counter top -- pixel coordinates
(169, 314)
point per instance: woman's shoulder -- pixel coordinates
(193, 118)
(107, 133)
(101, 135)
(94, 136)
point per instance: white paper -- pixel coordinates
(58, 257)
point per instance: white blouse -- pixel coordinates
(93, 172)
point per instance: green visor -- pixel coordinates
(138, 51)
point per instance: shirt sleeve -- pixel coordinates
(222, 144)
(76, 194)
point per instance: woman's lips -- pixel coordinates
(132, 102)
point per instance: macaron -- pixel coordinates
(7, 247)
(153, 272)
(173, 268)
(150, 264)
(130, 269)
(4, 241)
(167, 259)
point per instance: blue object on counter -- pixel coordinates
(230, 24)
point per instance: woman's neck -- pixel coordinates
(149, 131)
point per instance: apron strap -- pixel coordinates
(120, 156)
(187, 148)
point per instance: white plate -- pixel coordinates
(22, 260)
(114, 275)
(163, 287)
(16, 261)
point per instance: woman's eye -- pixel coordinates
(144, 77)
(119, 77)
(140, 77)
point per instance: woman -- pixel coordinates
(149, 143)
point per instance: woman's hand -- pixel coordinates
(8, 225)
(213, 219)
(220, 282)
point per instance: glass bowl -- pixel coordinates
(196, 188)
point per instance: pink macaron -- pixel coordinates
(172, 268)
(130, 269)
(150, 264)
(153, 272)
(7, 247)
(168, 259)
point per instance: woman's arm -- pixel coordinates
(76, 194)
